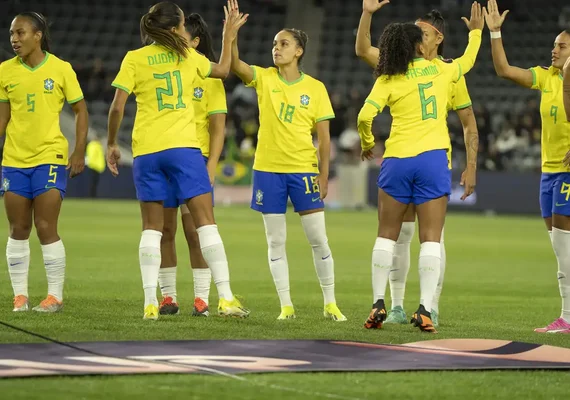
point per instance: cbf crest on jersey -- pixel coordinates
(259, 197)
(198, 93)
(49, 84)
(305, 101)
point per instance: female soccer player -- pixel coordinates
(555, 181)
(566, 91)
(291, 105)
(209, 101)
(33, 87)
(415, 167)
(433, 27)
(165, 145)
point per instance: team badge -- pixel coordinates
(305, 100)
(259, 197)
(198, 92)
(49, 84)
(5, 184)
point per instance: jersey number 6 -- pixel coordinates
(160, 92)
(427, 102)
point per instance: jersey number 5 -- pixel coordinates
(427, 102)
(168, 91)
(554, 113)
(31, 102)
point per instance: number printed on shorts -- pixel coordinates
(429, 104)
(169, 91)
(289, 111)
(565, 189)
(314, 185)
(52, 174)
(31, 102)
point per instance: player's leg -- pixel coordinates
(304, 192)
(394, 195)
(48, 184)
(16, 185)
(188, 171)
(152, 190)
(270, 198)
(432, 186)
(561, 245)
(200, 271)
(167, 273)
(401, 267)
(443, 263)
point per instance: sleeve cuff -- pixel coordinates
(115, 85)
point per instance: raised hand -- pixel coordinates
(234, 20)
(371, 6)
(477, 21)
(493, 19)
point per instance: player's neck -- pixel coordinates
(431, 56)
(290, 73)
(34, 59)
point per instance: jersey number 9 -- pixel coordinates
(168, 91)
(427, 102)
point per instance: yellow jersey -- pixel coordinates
(458, 95)
(288, 113)
(36, 97)
(209, 98)
(555, 141)
(162, 84)
(418, 102)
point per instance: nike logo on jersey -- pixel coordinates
(13, 85)
(547, 91)
(276, 90)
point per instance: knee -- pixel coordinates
(406, 233)
(315, 230)
(275, 230)
(168, 233)
(20, 230)
(46, 231)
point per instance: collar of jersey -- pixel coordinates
(37, 66)
(419, 59)
(291, 83)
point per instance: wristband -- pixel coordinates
(496, 35)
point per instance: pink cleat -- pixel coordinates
(558, 326)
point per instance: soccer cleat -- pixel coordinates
(377, 316)
(168, 306)
(397, 315)
(232, 308)
(151, 312)
(331, 311)
(558, 326)
(422, 319)
(49, 305)
(434, 318)
(201, 309)
(287, 312)
(21, 303)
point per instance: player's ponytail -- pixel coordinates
(40, 24)
(156, 27)
(301, 38)
(197, 28)
(436, 20)
(398, 46)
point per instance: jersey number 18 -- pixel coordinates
(168, 91)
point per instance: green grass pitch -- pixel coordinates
(500, 284)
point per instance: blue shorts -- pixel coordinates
(271, 190)
(183, 168)
(555, 194)
(416, 179)
(172, 201)
(32, 182)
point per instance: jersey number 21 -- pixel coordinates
(169, 91)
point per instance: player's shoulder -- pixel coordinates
(213, 82)
(314, 82)
(59, 63)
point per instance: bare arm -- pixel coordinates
(364, 48)
(4, 116)
(217, 137)
(471, 135)
(239, 67)
(77, 160)
(324, 149)
(566, 90)
(116, 113)
(221, 70)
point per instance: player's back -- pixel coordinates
(163, 85)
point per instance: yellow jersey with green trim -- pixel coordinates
(36, 97)
(555, 140)
(418, 102)
(288, 113)
(209, 98)
(458, 95)
(163, 85)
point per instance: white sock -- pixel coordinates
(167, 282)
(550, 235)
(54, 261)
(401, 265)
(382, 261)
(430, 258)
(435, 303)
(561, 245)
(149, 259)
(276, 235)
(202, 283)
(18, 258)
(215, 255)
(315, 230)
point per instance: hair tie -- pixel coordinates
(430, 25)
